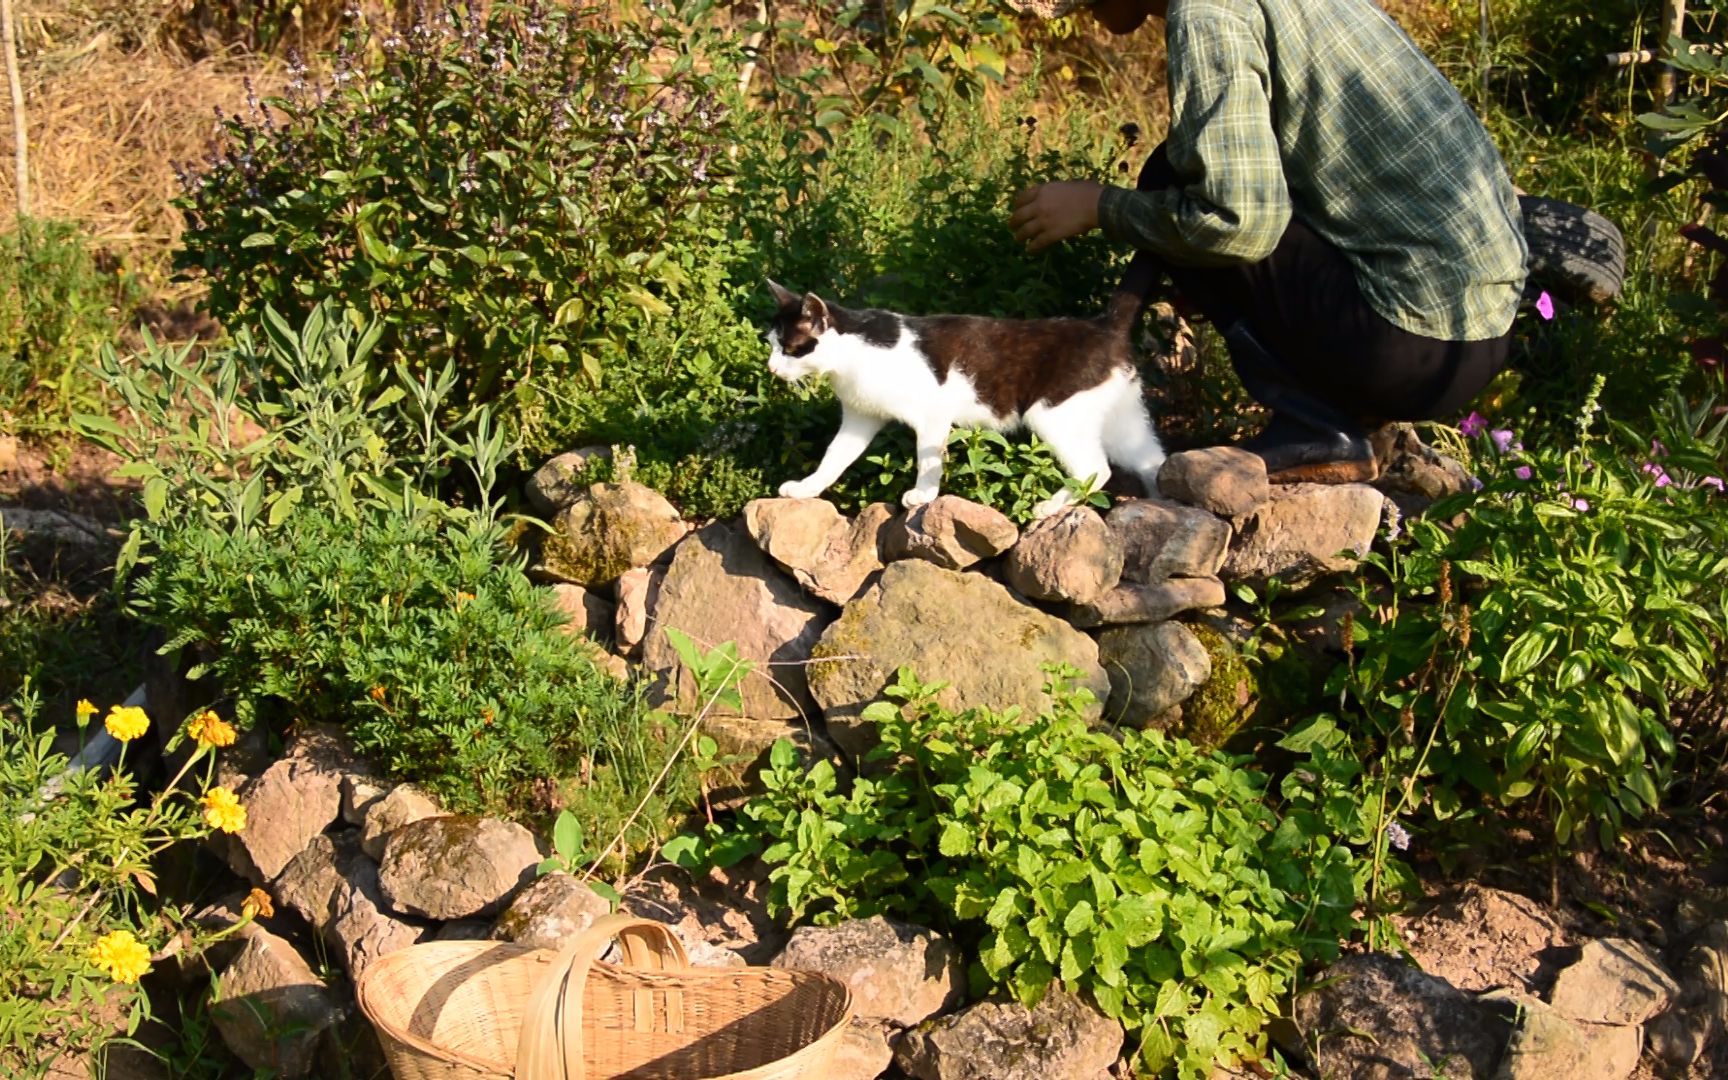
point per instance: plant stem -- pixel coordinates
(20, 130)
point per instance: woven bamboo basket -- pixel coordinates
(469, 1010)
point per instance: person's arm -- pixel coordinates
(1232, 205)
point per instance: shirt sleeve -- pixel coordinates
(1232, 203)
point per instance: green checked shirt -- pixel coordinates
(1326, 110)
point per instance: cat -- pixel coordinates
(1073, 382)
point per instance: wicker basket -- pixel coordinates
(469, 1010)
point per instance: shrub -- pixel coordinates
(303, 565)
(443, 661)
(1143, 872)
(915, 221)
(77, 848)
(504, 190)
(1539, 629)
(57, 308)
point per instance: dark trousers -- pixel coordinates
(1303, 304)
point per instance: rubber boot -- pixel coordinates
(1308, 440)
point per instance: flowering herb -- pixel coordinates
(223, 811)
(120, 956)
(506, 190)
(1398, 836)
(208, 729)
(126, 722)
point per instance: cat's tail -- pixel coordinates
(1131, 295)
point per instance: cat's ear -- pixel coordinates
(783, 296)
(815, 312)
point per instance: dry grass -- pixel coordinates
(105, 127)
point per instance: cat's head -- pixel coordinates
(798, 327)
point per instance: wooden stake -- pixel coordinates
(20, 130)
(1673, 25)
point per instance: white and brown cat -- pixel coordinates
(1073, 382)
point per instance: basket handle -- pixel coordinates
(551, 1042)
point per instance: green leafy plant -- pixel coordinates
(1142, 872)
(79, 923)
(1531, 650)
(57, 308)
(867, 60)
(439, 656)
(503, 189)
(1011, 474)
(295, 554)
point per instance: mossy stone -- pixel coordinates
(1224, 702)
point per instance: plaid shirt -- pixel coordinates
(1326, 110)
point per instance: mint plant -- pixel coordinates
(1147, 874)
(1539, 630)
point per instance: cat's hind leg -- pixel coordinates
(1073, 430)
(1129, 438)
(856, 431)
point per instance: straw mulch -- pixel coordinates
(106, 123)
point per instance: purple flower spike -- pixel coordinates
(1475, 483)
(1502, 439)
(1545, 307)
(1472, 425)
(1522, 472)
(1398, 836)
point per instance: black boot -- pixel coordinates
(1307, 440)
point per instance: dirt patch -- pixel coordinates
(75, 477)
(1480, 939)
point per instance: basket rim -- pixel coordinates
(364, 991)
(381, 966)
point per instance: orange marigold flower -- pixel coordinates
(121, 956)
(376, 693)
(257, 905)
(210, 729)
(126, 722)
(464, 597)
(222, 810)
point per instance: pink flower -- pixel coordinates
(1657, 449)
(1657, 471)
(1545, 307)
(1713, 482)
(1502, 439)
(1472, 425)
(1522, 472)
(1580, 505)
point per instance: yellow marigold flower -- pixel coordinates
(121, 956)
(126, 722)
(210, 729)
(85, 711)
(222, 810)
(257, 905)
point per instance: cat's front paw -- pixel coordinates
(917, 497)
(799, 489)
(1055, 504)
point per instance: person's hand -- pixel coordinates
(1051, 212)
